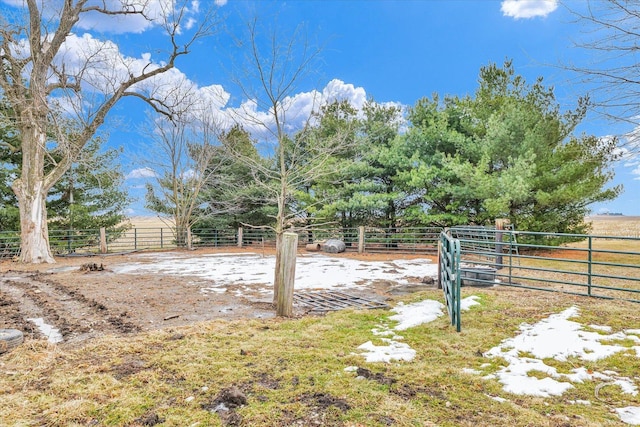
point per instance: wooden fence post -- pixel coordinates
(361, 239)
(189, 241)
(288, 274)
(500, 225)
(103, 240)
(439, 279)
(239, 237)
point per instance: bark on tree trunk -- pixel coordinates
(31, 190)
(34, 236)
(277, 276)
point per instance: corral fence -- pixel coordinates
(423, 240)
(587, 265)
(603, 266)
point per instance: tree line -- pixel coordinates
(507, 151)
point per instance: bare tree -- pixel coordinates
(45, 65)
(277, 66)
(185, 160)
(611, 35)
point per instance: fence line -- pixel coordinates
(592, 265)
(361, 239)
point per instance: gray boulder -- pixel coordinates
(334, 246)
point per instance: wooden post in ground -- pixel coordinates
(189, 241)
(361, 239)
(439, 279)
(103, 240)
(239, 237)
(500, 226)
(287, 266)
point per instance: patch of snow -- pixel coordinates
(559, 338)
(556, 338)
(415, 314)
(470, 371)
(52, 333)
(383, 332)
(408, 316)
(497, 398)
(629, 415)
(627, 386)
(312, 271)
(394, 350)
(632, 331)
(580, 402)
(468, 302)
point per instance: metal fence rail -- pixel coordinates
(449, 275)
(79, 242)
(587, 265)
(403, 240)
(9, 244)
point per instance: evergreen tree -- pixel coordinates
(365, 191)
(507, 152)
(231, 197)
(88, 196)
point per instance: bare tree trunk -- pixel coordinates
(33, 223)
(31, 192)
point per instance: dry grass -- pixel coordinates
(292, 373)
(609, 225)
(150, 222)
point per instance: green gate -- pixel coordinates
(449, 275)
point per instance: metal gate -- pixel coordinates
(449, 275)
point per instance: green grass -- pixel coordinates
(293, 372)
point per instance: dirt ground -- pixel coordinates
(84, 298)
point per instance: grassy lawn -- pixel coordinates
(292, 372)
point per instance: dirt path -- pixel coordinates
(83, 304)
(28, 295)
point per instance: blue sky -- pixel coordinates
(393, 51)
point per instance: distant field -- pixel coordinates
(150, 222)
(615, 225)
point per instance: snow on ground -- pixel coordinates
(312, 271)
(556, 337)
(409, 316)
(52, 333)
(559, 338)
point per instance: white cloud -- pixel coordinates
(141, 173)
(528, 8)
(337, 90)
(104, 68)
(220, 2)
(636, 172)
(297, 108)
